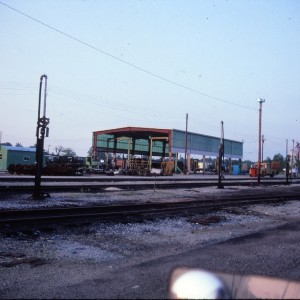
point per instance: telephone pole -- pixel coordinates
(260, 101)
(292, 159)
(185, 151)
(262, 148)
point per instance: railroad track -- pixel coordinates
(119, 212)
(118, 178)
(86, 184)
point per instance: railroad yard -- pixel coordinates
(145, 175)
(132, 255)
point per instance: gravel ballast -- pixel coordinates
(135, 259)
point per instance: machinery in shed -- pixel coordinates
(155, 151)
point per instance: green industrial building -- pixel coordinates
(16, 155)
(163, 143)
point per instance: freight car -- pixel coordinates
(266, 169)
(64, 166)
(53, 166)
(75, 165)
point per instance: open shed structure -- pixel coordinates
(164, 143)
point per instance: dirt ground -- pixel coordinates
(134, 260)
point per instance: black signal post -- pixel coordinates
(221, 158)
(41, 131)
(287, 168)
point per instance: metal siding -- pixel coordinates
(105, 143)
(233, 149)
(178, 139)
(204, 145)
(17, 157)
(3, 161)
(196, 143)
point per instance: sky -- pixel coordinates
(148, 63)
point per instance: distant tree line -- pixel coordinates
(58, 150)
(62, 151)
(279, 157)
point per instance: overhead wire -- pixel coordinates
(124, 61)
(55, 92)
(106, 103)
(58, 92)
(93, 100)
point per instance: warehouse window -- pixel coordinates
(26, 158)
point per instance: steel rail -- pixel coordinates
(120, 178)
(132, 185)
(55, 215)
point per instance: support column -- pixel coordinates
(95, 145)
(164, 149)
(133, 147)
(176, 162)
(150, 152)
(128, 153)
(170, 144)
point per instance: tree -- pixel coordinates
(6, 144)
(58, 150)
(19, 145)
(90, 152)
(297, 153)
(280, 158)
(61, 151)
(68, 152)
(268, 159)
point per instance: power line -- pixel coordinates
(109, 104)
(55, 91)
(124, 61)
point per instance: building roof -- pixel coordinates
(137, 132)
(17, 148)
(164, 141)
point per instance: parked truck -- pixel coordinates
(266, 169)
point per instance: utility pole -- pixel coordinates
(185, 151)
(262, 148)
(287, 166)
(298, 156)
(292, 164)
(260, 101)
(287, 162)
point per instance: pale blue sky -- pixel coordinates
(147, 63)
